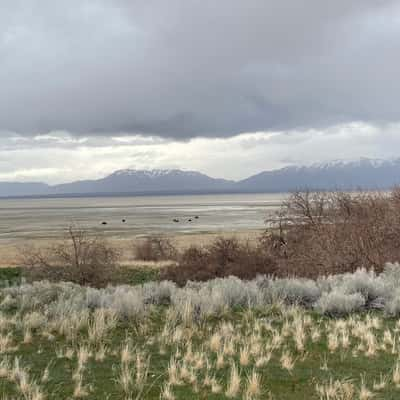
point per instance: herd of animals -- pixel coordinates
(176, 220)
(189, 219)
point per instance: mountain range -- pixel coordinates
(345, 175)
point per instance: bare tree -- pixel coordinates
(155, 248)
(80, 258)
(325, 233)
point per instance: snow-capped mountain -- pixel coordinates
(338, 174)
(154, 173)
(146, 181)
(363, 173)
(360, 162)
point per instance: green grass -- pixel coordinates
(10, 276)
(101, 378)
(138, 275)
(125, 275)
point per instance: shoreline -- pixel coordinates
(11, 249)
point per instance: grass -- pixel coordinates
(138, 275)
(10, 276)
(278, 352)
(126, 275)
(222, 339)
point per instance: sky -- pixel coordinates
(228, 87)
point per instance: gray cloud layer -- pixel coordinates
(196, 68)
(60, 157)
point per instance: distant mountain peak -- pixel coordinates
(363, 173)
(358, 162)
(142, 181)
(152, 173)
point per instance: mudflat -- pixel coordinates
(186, 220)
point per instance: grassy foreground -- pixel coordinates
(279, 352)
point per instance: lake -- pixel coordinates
(48, 217)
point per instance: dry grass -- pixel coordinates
(251, 354)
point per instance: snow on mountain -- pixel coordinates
(363, 173)
(147, 181)
(153, 173)
(369, 162)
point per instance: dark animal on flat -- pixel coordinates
(104, 223)
(124, 220)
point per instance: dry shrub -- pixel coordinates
(223, 257)
(328, 233)
(83, 259)
(155, 249)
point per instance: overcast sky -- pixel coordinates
(226, 87)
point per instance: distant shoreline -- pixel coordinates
(144, 194)
(184, 193)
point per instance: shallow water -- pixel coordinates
(42, 218)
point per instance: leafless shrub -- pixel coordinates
(80, 258)
(223, 257)
(327, 233)
(155, 249)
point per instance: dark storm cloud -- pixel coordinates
(196, 68)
